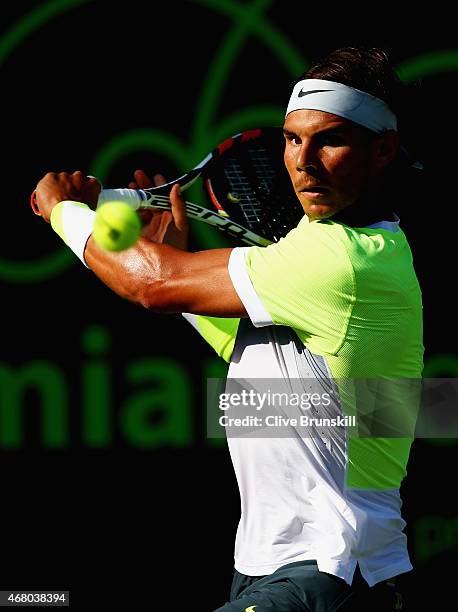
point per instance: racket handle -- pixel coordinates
(133, 197)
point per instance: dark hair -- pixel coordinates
(369, 70)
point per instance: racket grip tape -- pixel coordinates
(133, 197)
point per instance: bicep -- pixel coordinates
(197, 283)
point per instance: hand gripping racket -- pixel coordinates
(249, 192)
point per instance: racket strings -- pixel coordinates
(250, 175)
(263, 167)
(266, 205)
(241, 191)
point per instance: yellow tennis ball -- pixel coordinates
(116, 226)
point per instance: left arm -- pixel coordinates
(159, 277)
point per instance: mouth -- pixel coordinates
(315, 192)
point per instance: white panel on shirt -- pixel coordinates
(245, 290)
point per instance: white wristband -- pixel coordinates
(74, 222)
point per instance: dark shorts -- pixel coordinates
(301, 587)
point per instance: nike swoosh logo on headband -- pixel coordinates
(306, 93)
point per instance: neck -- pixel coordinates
(368, 209)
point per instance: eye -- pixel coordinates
(295, 140)
(332, 140)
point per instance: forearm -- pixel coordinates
(127, 273)
(165, 279)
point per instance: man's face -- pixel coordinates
(328, 159)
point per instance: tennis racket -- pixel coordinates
(248, 190)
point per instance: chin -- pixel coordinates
(320, 211)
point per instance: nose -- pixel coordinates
(306, 157)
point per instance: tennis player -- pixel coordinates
(336, 299)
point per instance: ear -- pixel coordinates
(385, 148)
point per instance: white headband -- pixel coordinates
(344, 101)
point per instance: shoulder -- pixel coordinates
(311, 242)
(312, 254)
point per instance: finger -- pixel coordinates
(178, 208)
(92, 190)
(159, 179)
(80, 177)
(63, 176)
(143, 180)
(133, 185)
(92, 182)
(81, 181)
